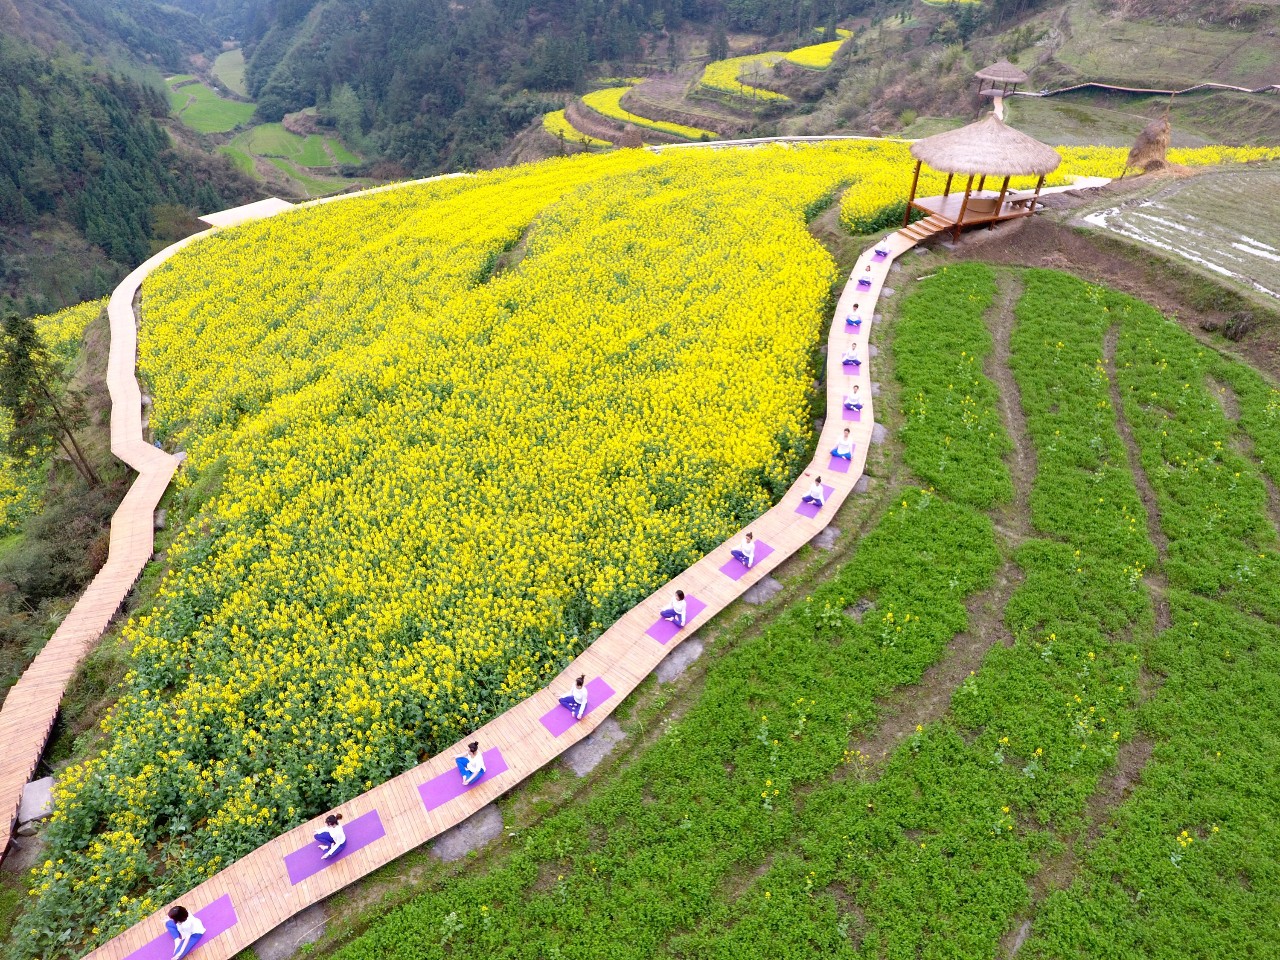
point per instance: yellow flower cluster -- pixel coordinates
(439, 472)
(558, 125)
(722, 76)
(608, 103)
(816, 57)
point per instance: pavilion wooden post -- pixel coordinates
(964, 205)
(946, 191)
(1031, 207)
(982, 184)
(915, 179)
(1004, 188)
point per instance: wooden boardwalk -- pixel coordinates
(249, 898)
(32, 703)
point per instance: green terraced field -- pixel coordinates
(203, 110)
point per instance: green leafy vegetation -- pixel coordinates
(953, 436)
(229, 68)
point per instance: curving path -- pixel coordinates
(249, 898)
(32, 703)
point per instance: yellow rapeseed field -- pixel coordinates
(558, 125)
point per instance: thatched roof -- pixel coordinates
(986, 147)
(1002, 72)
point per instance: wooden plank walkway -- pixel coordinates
(31, 706)
(249, 898)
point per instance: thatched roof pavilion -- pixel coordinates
(987, 148)
(999, 79)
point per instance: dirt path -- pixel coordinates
(1015, 519)
(1243, 444)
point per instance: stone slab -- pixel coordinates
(585, 755)
(480, 828)
(762, 592)
(677, 661)
(290, 937)
(37, 800)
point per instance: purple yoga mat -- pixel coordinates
(880, 254)
(558, 719)
(851, 416)
(361, 832)
(864, 282)
(440, 790)
(811, 509)
(839, 465)
(734, 569)
(218, 917)
(664, 630)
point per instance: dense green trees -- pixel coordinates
(80, 150)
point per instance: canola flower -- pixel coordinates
(558, 125)
(608, 103)
(436, 481)
(818, 56)
(723, 76)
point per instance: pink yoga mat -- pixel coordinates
(361, 832)
(218, 917)
(734, 569)
(559, 719)
(664, 630)
(839, 465)
(811, 509)
(440, 790)
(850, 416)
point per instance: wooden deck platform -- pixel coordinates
(250, 897)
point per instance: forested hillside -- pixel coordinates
(439, 84)
(140, 31)
(88, 179)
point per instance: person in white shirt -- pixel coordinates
(332, 838)
(851, 399)
(745, 554)
(675, 612)
(850, 356)
(185, 929)
(853, 320)
(471, 766)
(575, 701)
(815, 495)
(844, 449)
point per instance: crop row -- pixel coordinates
(1212, 499)
(952, 434)
(558, 125)
(608, 103)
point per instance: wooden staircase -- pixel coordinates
(924, 229)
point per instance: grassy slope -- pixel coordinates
(229, 68)
(203, 110)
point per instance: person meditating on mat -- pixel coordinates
(575, 701)
(853, 320)
(185, 929)
(332, 838)
(745, 554)
(851, 399)
(815, 494)
(850, 356)
(472, 765)
(675, 612)
(844, 449)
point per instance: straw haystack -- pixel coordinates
(1151, 146)
(987, 147)
(630, 137)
